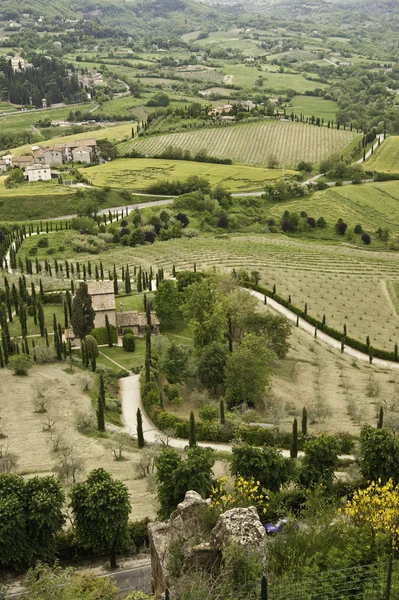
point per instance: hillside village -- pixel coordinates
(199, 300)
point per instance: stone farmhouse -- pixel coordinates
(104, 304)
(38, 173)
(58, 154)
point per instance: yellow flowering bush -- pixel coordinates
(378, 507)
(243, 493)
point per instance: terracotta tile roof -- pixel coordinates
(100, 287)
(131, 318)
(22, 159)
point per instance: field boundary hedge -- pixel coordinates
(369, 350)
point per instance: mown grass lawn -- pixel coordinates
(386, 158)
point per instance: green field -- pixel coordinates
(114, 133)
(138, 173)
(272, 80)
(312, 106)
(252, 144)
(386, 158)
(24, 119)
(372, 205)
(346, 283)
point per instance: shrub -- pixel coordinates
(311, 221)
(20, 364)
(223, 222)
(341, 227)
(43, 242)
(358, 229)
(129, 345)
(321, 222)
(183, 219)
(366, 238)
(101, 335)
(208, 412)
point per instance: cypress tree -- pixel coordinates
(4, 346)
(33, 350)
(93, 362)
(161, 404)
(147, 353)
(294, 440)
(41, 289)
(128, 283)
(222, 415)
(304, 421)
(395, 352)
(230, 334)
(1, 360)
(83, 352)
(109, 332)
(116, 286)
(40, 317)
(380, 423)
(140, 434)
(192, 441)
(65, 315)
(101, 406)
(47, 340)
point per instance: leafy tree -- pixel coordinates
(140, 434)
(45, 499)
(101, 508)
(175, 364)
(83, 315)
(212, 365)
(20, 364)
(176, 476)
(265, 465)
(379, 450)
(31, 515)
(341, 227)
(275, 329)
(205, 307)
(320, 461)
(248, 371)
(167, 303)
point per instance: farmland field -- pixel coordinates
(312, 106)
(386, 158)
(114, 133)
(347, 284)
(272, 80)
(252, 144)
(24, 119)
(139, 173)
(373, 205)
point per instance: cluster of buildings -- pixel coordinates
(59, 154)
(37, 165)
(104, 305)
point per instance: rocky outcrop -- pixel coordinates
(184, 543)
(238, 526)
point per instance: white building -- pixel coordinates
(81, 155)
(38, 173)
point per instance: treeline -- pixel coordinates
(47, 79)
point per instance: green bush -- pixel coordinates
(129, 345)
(101, 335)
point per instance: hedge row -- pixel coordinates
(213, 431)
(334, 333)
(101, 335)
